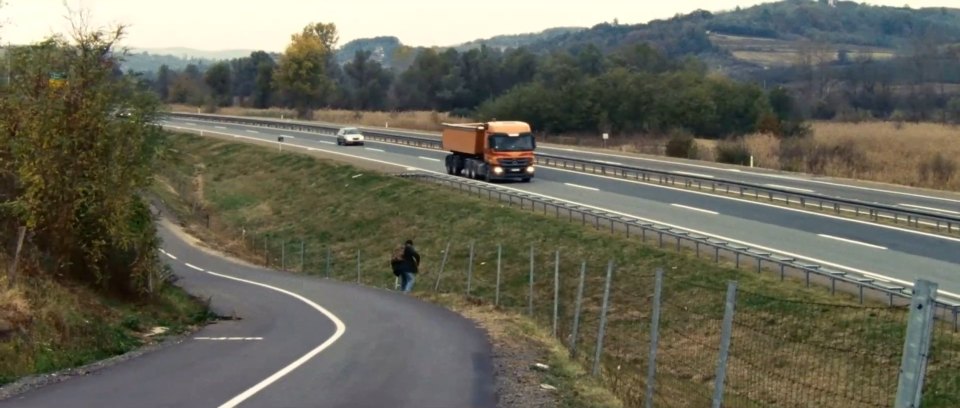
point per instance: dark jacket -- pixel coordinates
(410, 263)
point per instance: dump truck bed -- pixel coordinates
(464, 139)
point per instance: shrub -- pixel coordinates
(682, 145)
(733, 152)
(939, 170)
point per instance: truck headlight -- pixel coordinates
(529, 169)
(498, 170)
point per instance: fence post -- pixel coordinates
(470, 269)
(576, 312)
(443, 263)
(327, 267)
(725, 335)
(266, 251)
(916, 346)
(496, 295)
(556, 291)
(283, 255)
(302, 250)
(654, 338)
(603, 320)
(530, 291)
(358, 266)
(21, 233)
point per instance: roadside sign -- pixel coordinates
(606, 136)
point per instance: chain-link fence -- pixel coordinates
(679, 339)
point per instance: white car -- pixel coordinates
(349, 136)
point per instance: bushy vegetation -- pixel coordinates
(77, 147)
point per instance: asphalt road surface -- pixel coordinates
(299, 342)
(886, 253)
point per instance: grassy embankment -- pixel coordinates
(921, 155)
(58, 325)
(792, 346)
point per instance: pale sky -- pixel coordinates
(268, 24)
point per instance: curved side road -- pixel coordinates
(299, 342)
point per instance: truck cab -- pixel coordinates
(500, 150)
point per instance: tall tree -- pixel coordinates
(302, 74)
(367, 83)
(218, 79)
(162, 85)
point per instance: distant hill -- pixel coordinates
(517, 40)
(390, 52)
(195, 53)
(744, 41)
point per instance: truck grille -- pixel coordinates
(518, 162)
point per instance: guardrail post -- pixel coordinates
(603, 320)
(916, 346)
(358, 266)
(725, 335)
(302, 250)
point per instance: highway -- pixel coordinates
(887, 253)
(300, 341)
(908, 198)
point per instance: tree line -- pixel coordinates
(636, 89)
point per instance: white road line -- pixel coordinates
(252, 131)
(695, 209)
(170, 255)
(930, 208)
(194, 267)
(428, 158)
(287, 136)
(373, 149)
(609, 162)
(326, 142)
(583, 187)
(802, 190)
(850, 241)
(687, 173)
(717, 236)
(219, 127)
(341, 328)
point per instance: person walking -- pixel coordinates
(406, 263)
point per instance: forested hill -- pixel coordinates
(773, 33)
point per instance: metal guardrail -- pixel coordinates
(874, 212)
(895, 294)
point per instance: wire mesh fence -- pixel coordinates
(671, 353)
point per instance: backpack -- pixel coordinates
(398, 253)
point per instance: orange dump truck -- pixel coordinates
(490, 151)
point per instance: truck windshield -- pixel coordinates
(505, 143)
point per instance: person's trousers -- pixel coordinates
(406, 281)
